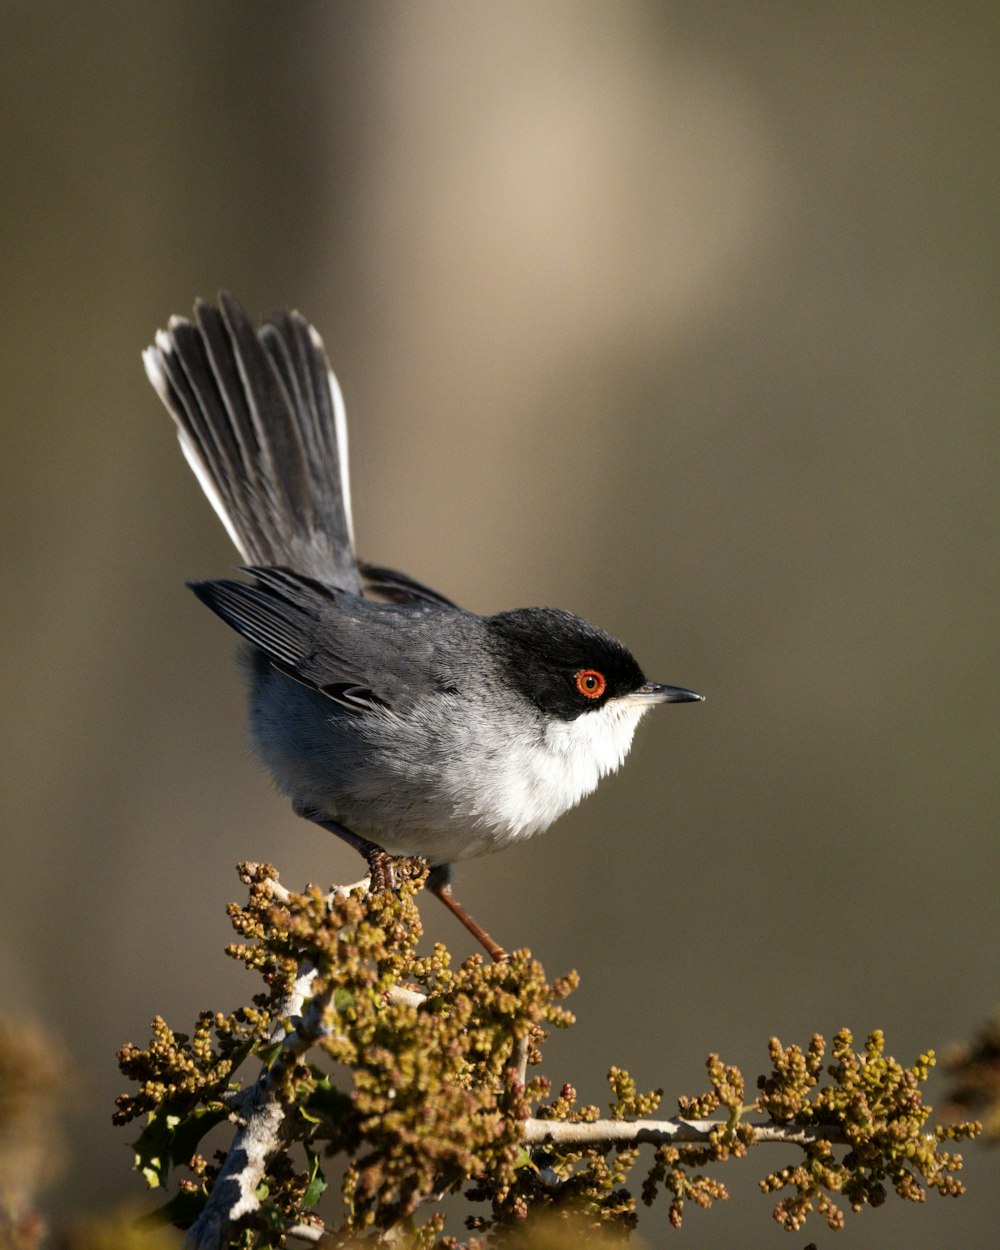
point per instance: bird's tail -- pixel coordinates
(261, 422)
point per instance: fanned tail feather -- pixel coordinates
(261, 421)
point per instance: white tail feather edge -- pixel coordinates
(151, 359)
(340, 429)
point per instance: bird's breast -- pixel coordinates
(534, 777)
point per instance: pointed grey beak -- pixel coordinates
(654, 692)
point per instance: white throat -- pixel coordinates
(548, 777)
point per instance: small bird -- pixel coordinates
(386, 713)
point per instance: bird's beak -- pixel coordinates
(654, 692)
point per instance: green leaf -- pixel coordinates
(325, 1102)
(268, 1052)
(171, 1137)
(317, 1181)
(152, 1146)
(249, 1047)
(192, 1129)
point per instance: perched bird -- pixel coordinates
(388, 715)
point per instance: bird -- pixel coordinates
(387, 714)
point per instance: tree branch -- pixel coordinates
(260, 1109)
(261, 1113)
(610, 1133)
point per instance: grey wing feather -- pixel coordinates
(357, 652)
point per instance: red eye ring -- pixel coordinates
(590, 683)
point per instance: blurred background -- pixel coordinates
(681, 316)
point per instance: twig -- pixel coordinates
(282, 894)
(306, 1232)
(518, 1064)
(260, 1113)
(667, 1132)
(259, 1109)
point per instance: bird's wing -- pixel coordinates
(362, 654)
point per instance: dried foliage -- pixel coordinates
(412, 1075)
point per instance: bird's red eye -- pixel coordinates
(590, 683)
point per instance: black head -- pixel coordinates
(562, 664)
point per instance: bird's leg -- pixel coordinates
(439, 884)
(381, 865)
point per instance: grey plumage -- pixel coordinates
(420, 727)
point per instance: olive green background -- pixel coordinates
(681, 316)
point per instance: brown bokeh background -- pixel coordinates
(681, 316)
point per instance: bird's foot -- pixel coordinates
(382, 870)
